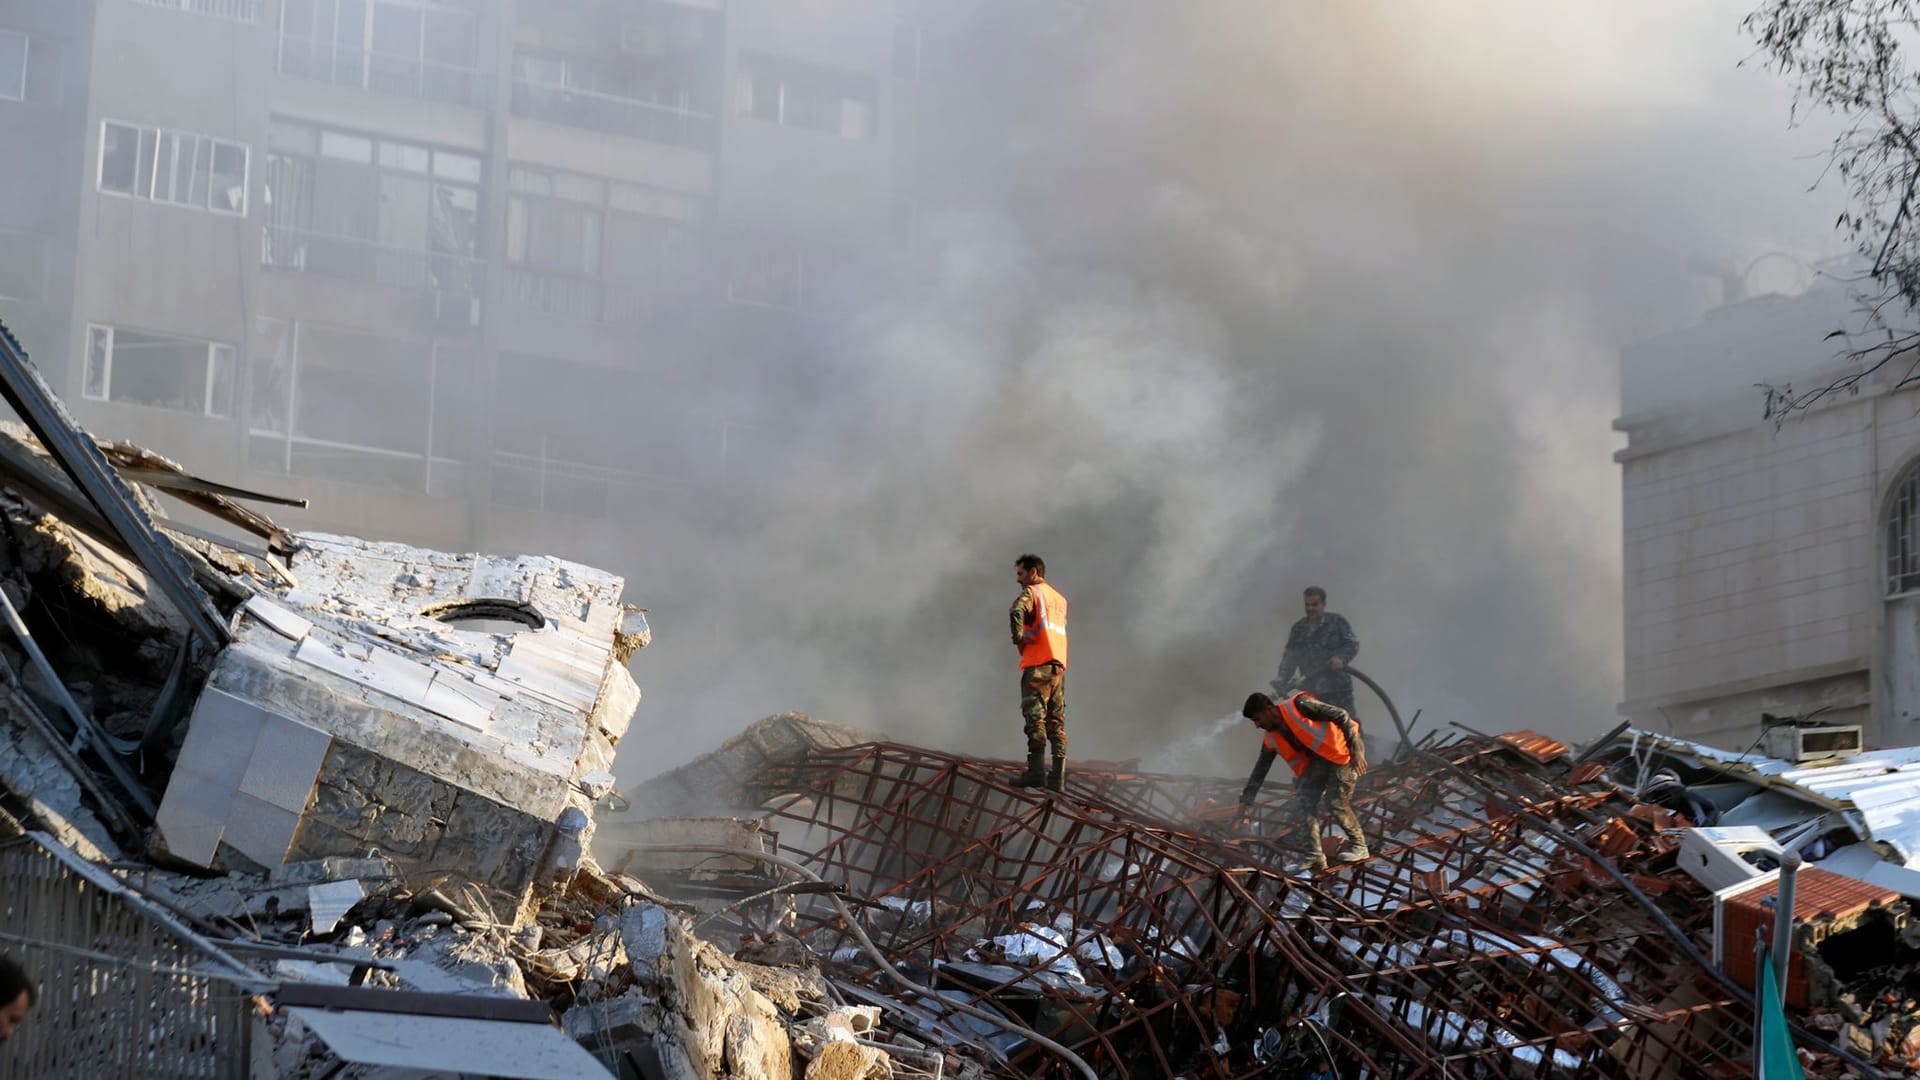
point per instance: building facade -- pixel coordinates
(1772, 564)
(451, 269)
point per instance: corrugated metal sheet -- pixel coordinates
(1878, 791)
(1536, 746)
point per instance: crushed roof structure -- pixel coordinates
(1524, 914)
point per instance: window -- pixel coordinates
(1903, 535)
(416, 48)
(380, 210)
(655, 100)
(792, 94)
(352, 406)
(580, 247)
(580, 438)
(13, 65)
(183, 374)
(173, 167)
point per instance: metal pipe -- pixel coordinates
(1783, 920)
(1384, 700)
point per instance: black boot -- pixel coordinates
(1057, 776)
(1036, 774)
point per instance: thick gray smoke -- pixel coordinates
(1214, 301)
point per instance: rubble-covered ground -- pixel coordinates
(315, 806)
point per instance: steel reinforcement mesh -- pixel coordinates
(1509, 922)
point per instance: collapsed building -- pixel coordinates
(308, 805)
(1527, 912)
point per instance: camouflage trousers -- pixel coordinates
(1043, 705)
(1322, 788)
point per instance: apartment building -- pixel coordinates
(451, 269)
(1772, 565)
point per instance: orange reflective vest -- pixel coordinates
(1046, 628)
(1320, 737)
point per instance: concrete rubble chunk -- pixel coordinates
(392, 723)
(848, 1060)
(643, 927)
(329, 901)
(475, 962)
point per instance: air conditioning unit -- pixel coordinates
(1726, 856)
(1814, 742)
(455, 312)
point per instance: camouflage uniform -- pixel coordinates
(1043, 689)
(1308, 650)
(1323, 787)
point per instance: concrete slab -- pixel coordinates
(287, 756)
(260, 830)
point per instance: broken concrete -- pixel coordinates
(384, 705)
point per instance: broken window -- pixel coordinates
(769, 278)
(792, 94)
(13, 65)
(381, 210)
(580, 247)
(343, 405)
(415, 48)
(173, 167)
(135, 368)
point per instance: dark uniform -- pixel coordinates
(1308, 650)
(1323, 789)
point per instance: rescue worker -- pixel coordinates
(1319, 647)
(1039, 623)
(1321, 742)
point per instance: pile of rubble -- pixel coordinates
(1527, 912)
(312, 806)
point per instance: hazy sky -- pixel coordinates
(1217, 300)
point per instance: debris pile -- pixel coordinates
(1526, 913)
(312, 806)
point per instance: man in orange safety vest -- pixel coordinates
(1322, 744)
(1039, 623)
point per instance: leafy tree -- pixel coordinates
(1854, 58)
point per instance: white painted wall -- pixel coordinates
(1753, 562)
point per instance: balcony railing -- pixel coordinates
(579, 298)
(401, 76)
(537, 482)
(237, 10)
(609, 114)
(286, 248)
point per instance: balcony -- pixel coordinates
(400, 76)
(286, 248)
(609, 114)
(577, 298)
(237, 10)
(537, 482)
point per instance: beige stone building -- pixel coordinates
(1771, 566)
